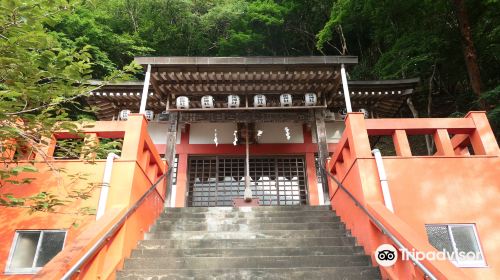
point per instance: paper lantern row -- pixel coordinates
(149, 114)
(259, 100)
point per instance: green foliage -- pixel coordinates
(45, 202)
(492, 98)
(43, 78)
(108, 145)
(68, 148)
(86, 27)
(402, 39)
(337, 14)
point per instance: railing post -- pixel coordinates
(443, 143)
(358, 135)
(482, 139)
(132, 148)
(91, 141)
(47, 149)
(401, 144)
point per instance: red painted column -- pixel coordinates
(312, 178)
(401, 144)
(181, 184)
(312, 181)
(182, 170)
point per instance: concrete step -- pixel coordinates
(254, 220)
(250, 252)
(252, 209)
(247, 262)
(216, 226)
(240, 214)
(260, 234)
(165, 244)
(331, 273)
(291, 242)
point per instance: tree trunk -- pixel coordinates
(429, 142)
(470, 54)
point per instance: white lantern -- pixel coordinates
(182, 102)
(207, 101)
(149, 115)
(286, 100)
(310, 99)
(259, 100)
(124, 114)
(233, 101)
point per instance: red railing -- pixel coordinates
(99, 251)
(472, 132)
(360, 202)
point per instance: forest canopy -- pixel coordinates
(393, 39)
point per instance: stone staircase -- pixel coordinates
(289, 242)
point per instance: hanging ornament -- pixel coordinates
(287, 133)
(235, 137)
(215, 138)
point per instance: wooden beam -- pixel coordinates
(154, 83)
(170, 152)
(323, 154)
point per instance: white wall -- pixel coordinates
(334, 132)
(158, 132)
(203, 133)
(275, 132)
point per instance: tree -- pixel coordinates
(40, 78)
(469, 50)
(88, 26)
(392, 44)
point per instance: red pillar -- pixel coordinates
(312, 181)
(312, 178)
(483, 139)
(182, 170)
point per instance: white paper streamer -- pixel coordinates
(287, 133)
(215, 138)
(235, 137)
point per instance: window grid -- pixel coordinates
(33, 269)
(458, 262)
(215, 181)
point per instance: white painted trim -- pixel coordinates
(145, 90)
(346, 89)
(383, 180)
(106, 179)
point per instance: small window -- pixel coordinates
(32, 249)
(460, 240)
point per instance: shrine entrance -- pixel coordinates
(216, 180)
